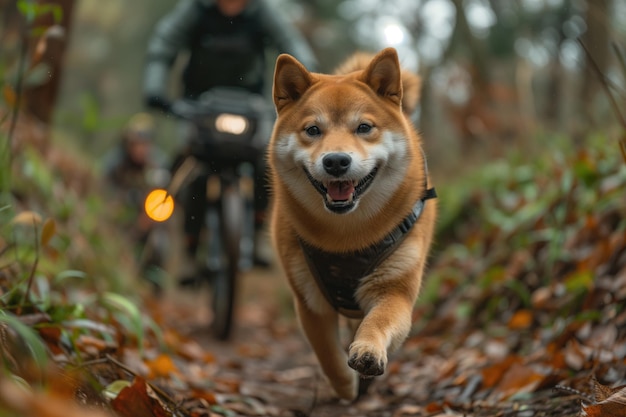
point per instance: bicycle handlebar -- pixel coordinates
(184, 109)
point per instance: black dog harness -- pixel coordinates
(338, 275)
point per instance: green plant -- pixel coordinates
(13, 76)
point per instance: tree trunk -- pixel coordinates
(464, 41)
(49, 50)
(597, 41)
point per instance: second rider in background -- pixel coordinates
(227, 42)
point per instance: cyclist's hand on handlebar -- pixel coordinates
(159, 103)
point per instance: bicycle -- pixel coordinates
(231, 129)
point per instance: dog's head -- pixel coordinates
(345, 136)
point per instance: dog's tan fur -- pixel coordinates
(367, 89)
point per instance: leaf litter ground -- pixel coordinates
(454, 372)
(522, 314)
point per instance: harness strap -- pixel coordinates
(338, 275)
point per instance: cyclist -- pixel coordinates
(227, 41)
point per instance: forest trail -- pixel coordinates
(267, 368)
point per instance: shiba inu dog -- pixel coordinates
(352, 220)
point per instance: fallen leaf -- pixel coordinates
(610, 409)
(518, 379)
(609, 402)
(137, 401)
(541, 297)
(112, 390)
(574, 356)
(162, 366)
(194, 352)
(10, 96)
(493, 374)
(522, 319)
(253, 350)
(94, 345)
(407, 410)
(434, 407)
(209, 397)
(51, 335)
(47, 231)
(604, 393)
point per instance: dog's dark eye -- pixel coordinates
(363, 128)
(313, 131)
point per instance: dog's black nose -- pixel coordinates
(337, 164)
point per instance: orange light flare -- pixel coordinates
(159, 205)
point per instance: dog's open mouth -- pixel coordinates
(340, 196)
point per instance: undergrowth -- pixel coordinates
(520, 224)
(66, 274)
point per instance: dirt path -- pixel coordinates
(268, 357)
(433, 375)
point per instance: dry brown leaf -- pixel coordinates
(603, 410)
(541, 297)
(187, 348)
(574, 356)
(207, 396)
(51, 335)
(253, 350)
(47, 231)
(518, 379)
(493, 374)
(230, 385)
(609, 402)
(604, 393)
(162, 366)
(10, 96)
(557, 360)
(522, 319)
(94, 345)
(408, 410)
(434, 407)
(192, 351)
(137, 401)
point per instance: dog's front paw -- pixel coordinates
(367, 361)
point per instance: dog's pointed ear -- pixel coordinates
(383, 75)
(291, 80)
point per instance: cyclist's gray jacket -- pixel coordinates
(222, 51)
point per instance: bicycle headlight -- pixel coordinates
(233, 124)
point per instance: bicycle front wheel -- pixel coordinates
(225, 283)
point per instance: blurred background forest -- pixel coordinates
(496, 72)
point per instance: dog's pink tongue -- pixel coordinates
(340, 190)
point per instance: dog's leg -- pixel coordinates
(384, 328)
(322, 331)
